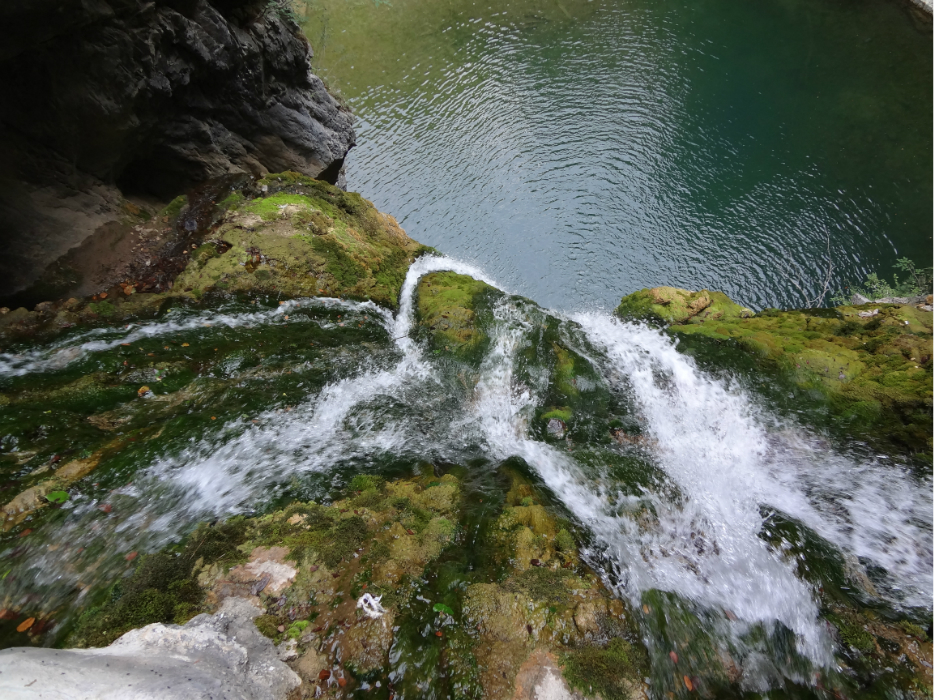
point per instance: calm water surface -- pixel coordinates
(579, 150)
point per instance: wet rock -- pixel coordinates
(540, 678)
(677, 306)
(872, 364)
(366, 644)
(556, 428)
(212, 655)
(121, 97)
(585, 617)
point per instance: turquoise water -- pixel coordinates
(577, 151)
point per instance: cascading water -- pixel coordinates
(690, 535)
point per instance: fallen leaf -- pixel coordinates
(106, 508)
(25, 624)
(674, 656)
(27, 531)
(7, 614)
(142, 390)
(131, 556)
(688, 684)
(324, 675)
(438, 633)
(126, 345)
(645, 609)
(184, 345)
(213, 417)
(342, 682)
(103, 295)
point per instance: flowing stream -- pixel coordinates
(720, 521)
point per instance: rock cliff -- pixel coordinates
(112, 106)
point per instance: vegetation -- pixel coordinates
(916, 282)
(163, 587)
(874, 370)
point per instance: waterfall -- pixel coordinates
(726, 467)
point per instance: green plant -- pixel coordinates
(442, 608)
(56, 496)
(917, 281)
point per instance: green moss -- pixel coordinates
(564, 376)
(162, 588)
(102, 308)
(296, 628)
(174, 207)
(914, 630)
(673, 305)
(231, 201)
(544, 585)
(873, 371)
(448, 307)
(341, 264)
(563, 413)
(268, 625)
(202, 254)
(613, 671)
(564, 541)
(365, 482)
(852, 632)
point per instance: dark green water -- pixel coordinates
(577, 151)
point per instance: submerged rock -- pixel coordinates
(220, 655)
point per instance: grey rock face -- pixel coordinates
(107, 98)
(220, 656)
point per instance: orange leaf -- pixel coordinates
(26, 624)
(688, 684)
(674, 656)
(131, 556)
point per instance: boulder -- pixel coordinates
(221, 655)
(115, 99)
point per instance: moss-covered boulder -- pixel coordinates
(286, 234)
(872, 363)
(450, 310)
(673, 305)
(302, 237)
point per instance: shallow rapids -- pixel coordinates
(710, 514)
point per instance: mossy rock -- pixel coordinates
(611, 672)
(450, 308)
(670, 305)
(303, 237)
(874, 371)
(163, 587)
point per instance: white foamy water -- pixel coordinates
(218, 478)
(730, 457)
(730, 568)
(725, 461)
(60, 353)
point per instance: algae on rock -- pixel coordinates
(873, 362)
